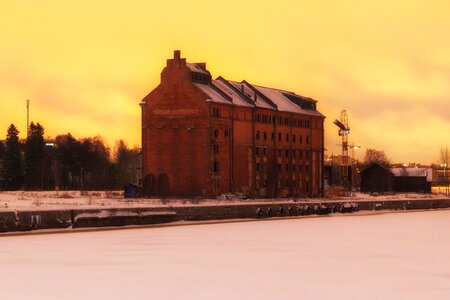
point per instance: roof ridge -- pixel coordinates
(222, 93)
(265, 98)
(236, 90)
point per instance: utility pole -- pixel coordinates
(28, 117)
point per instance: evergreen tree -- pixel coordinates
(2, 154)
(82, 164)
(2, 150)
(95, 163)
(34, 156)
(11, 165)
(68, 162)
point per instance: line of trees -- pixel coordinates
(65, 163)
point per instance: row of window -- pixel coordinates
(282, 121)
(216, 133)
(294, 153)
(288, 166)
(263, 168)
(269, 119)
(265, 137)
(280, 137)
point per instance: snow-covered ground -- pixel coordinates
(381, 256)
(104, 199)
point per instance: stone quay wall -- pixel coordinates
(29, 220)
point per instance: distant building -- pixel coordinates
(203, 137)
(333, 175)
(440, 176)
(416, 180)
(379, 179)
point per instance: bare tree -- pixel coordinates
(444, 156)
(127, 164)
(376, 156)
(445, 164)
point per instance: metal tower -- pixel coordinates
(344, 131)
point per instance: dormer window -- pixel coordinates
(200, 78)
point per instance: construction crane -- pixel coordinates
(352, 147)
(344, 131)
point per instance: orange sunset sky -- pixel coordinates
(85, 65)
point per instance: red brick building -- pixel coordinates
(203, 137)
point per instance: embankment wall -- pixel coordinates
(14, 221)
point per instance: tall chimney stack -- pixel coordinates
(176, 55)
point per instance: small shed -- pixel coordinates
(377, 179)
(416, 180)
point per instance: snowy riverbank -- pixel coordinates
(22, 200)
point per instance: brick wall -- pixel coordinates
(175, 136)
(193, 147)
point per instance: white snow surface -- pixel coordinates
(215, 96)
(413, 172)
(381, 256)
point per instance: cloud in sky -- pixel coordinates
(85, 65)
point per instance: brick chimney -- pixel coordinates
(176, 54)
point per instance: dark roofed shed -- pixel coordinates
(377, 179)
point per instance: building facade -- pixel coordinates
(412, 180)
(379, 179)
(203, 137)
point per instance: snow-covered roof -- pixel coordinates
(249, 95)
(214, 95)
(246, 94)
(197, 69)
(413, 172)
(284, 103)
(236, 99)
(247, 91)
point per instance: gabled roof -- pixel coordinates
(283, 102)
(376, 165)
(413, 172)
(238, 98)
(249, 95)
(214, 95)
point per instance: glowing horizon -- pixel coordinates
(86, 65)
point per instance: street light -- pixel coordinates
(354, 179)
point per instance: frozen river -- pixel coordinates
(383, 256)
